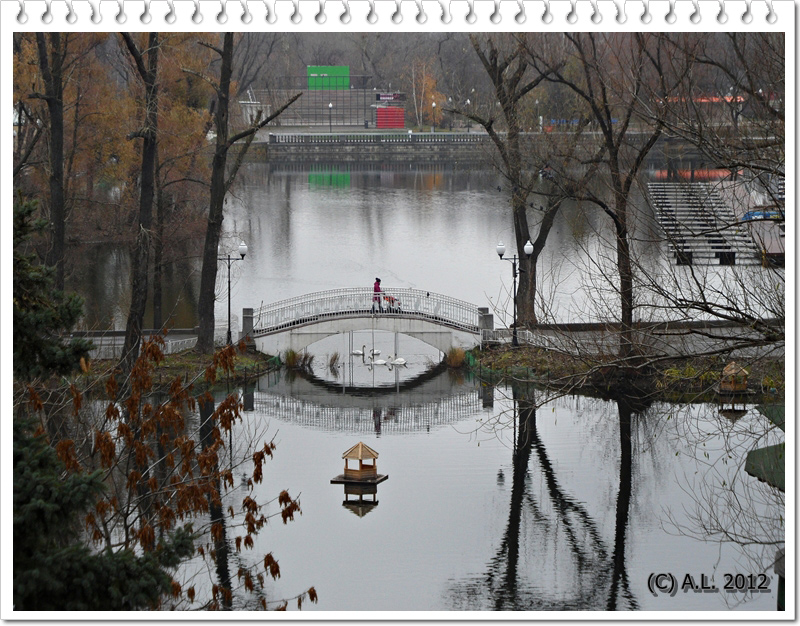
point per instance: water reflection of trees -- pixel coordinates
(729, 506)
(599, 580)
(224, 575)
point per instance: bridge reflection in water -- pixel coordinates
(546, 524)
(554, 550)
(545, 516)
(431, 400)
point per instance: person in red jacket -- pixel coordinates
(376, 288)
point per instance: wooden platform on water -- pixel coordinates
(341, 479)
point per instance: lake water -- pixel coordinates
(434, 229)
(490, 505)
(314, 227)
(487, 505)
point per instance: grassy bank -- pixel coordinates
(191, 365)
(669, 379)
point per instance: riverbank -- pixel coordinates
(191, 365)
(674, 380)
(677, 379)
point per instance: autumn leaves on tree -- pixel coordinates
(120, 467)
(111, 482)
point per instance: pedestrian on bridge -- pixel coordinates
(376, 288)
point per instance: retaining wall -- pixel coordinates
(403, 147)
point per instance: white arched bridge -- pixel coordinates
(440, 321)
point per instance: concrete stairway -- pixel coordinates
(700, 228)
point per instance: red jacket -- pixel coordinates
(377, 289)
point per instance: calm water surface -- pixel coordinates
(314, 227)
(489, 504)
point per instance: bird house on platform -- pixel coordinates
(734, 378)
(360, 466)
(366, 459)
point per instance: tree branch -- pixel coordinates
(136, 54)
(258, 126)
(210, 47)
(202, 76)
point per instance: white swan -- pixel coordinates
(399, 361)
(377, 362)
(359, 352)
(373, 351)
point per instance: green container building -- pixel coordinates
(328, 77)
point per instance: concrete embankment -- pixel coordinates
(304, 145)
(395, 147)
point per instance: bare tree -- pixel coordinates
(726, 111)
(220, 183)
(252, 55)
(508, 68)
(739, 77)
(146, 63)
(29, 131)
(610, 74)
(731, 109)
(60, 58)
(370, 52)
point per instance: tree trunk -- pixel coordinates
(158, 252)
(51, 64)
(507, 73)
(625, 270)
(619, 577)
(526, 293)
(141, 253)
(548, 219)
(219, 187)
(208, 275)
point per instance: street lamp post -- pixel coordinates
(501, 250)
(330, 117)
(434, 116)
(450, 105)
(469, 121)
(228, 260)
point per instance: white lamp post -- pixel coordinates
(501, 250)
(330, 117)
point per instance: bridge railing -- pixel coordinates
(359, 301)
(388, 419)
